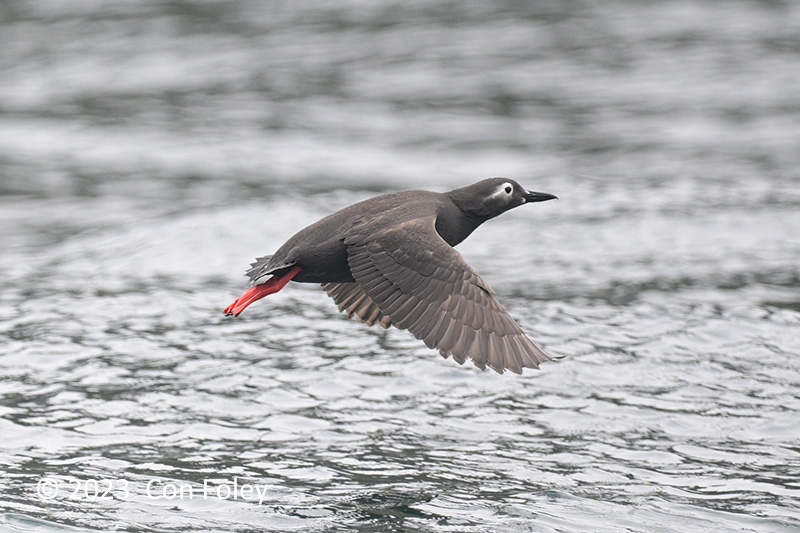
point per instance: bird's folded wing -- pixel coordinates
(422, 284)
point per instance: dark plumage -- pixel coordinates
(390, 260)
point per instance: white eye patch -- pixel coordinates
(506, 189)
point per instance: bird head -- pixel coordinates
(494, 196)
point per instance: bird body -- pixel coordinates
(320, 247)
(390, 260)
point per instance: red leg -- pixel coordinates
(256, 292)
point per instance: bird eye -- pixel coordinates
(508, 189)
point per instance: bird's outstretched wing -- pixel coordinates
(351, 299)
(420, 283)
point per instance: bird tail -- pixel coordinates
(259, 268)
(263, 267)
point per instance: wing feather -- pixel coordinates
(352, 299)
(409, 276)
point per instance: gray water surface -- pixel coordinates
(149, 151)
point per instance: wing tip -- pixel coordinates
(508, 359)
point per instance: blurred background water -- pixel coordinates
(150, 150)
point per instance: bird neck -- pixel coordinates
(454, 224)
